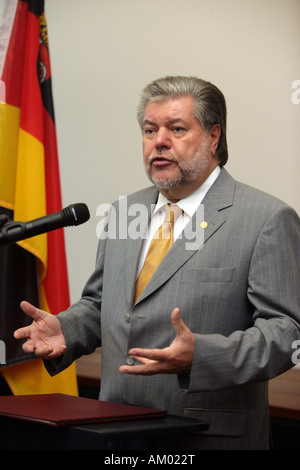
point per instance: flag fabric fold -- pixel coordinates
(34, 269)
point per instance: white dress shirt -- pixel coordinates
(189, 205)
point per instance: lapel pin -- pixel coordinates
(203, 224)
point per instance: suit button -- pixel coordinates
(127, 317)
(130, 361)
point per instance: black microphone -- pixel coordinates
(74, 214)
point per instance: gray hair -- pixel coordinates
(209, 108)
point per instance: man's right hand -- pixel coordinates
(44, 336)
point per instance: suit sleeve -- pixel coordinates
(81, 322)
(264, 350)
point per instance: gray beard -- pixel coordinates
(189, 170)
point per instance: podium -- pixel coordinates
(21, 430)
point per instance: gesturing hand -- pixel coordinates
(175, 359)
(44, 335)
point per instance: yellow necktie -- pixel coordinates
(160, 245)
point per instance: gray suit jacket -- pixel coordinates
(239, 295)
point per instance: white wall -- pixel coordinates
(103, 52)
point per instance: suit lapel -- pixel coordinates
(203, 226)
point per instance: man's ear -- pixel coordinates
(215, 134)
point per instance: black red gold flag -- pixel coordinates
(34, 269)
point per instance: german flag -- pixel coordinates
(34, 269)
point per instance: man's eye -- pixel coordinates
(148, 131)
(178, 130)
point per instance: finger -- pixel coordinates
(49, 353)
(153, 354)
(44, 352)
(31, 310)
(178, 324)
(22, 332)
(143, 360)
(57, 353)
(138, 370)
(28, 347)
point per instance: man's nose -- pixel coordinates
(162, 138)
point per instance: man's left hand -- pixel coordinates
(175, 359)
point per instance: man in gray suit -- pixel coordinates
(217, 319)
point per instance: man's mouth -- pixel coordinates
(161, 161)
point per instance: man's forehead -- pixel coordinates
(171, 109)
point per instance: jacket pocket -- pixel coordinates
(208, 275)
(221, 422)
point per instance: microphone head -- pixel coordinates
(79, 212)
